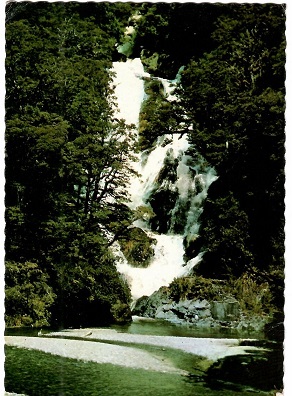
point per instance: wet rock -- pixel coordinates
(170, 316)
(197, 312)
(201, 304)
(225, 310)
(252, 324)
(140, 306)
(147, 306)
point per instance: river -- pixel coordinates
(105, 364)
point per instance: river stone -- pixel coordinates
(181, 308)
(140, 306)
(201, 304)
(147, 306)
(170, 316)
(169, 307)
(186, 303)
(256, 323)
(204, 313)
(225, 310)
(198, 312)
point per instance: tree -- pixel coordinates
(174, 33)
(234, 98)
(28, 296)
(67, 157)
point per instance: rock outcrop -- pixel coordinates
(197, 312)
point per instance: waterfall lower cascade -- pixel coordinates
(171, 185)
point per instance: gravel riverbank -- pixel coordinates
(102, 352)
(210, 348)
(95, 352)
(126, 354)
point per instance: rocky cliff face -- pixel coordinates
(197, 312)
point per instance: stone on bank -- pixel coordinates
(197, 312)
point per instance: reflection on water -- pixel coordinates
(147, 326)
(163, 328)
(25, 331)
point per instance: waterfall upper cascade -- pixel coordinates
(171, 184)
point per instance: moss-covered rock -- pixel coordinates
(137, 247)
(191, 287)
(149, 60)
(162, 201)
(204, 303)
(148, 305)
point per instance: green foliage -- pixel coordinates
(137, 247)
(197, 287)
(224, 238)
(28, 295)
(234, 98)
(90, 291)
(254, 297)
(144, 213)
(171, 34)
(156, 116)
(67, 158)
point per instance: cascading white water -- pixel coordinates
(140, 188)
(168, 261)
(129, 89)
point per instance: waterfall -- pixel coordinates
(129, 89)
(176, 200)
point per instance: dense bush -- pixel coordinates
(65, 156)
(28, 295)
(253, 296)
(156, 117)
(193, 287)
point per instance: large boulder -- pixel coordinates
(225, 310)
(199, 312)
(160, 305)
(137, 247)
(147, 306)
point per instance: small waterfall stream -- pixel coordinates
(185, 190)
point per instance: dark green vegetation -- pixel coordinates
(40, 374)
(231, 97)
(232, 372)
(65, 156)
(155, 115)
(137, 247)
(171, 34)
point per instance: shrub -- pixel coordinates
(254, 297)
(28, 297)
(191, 287)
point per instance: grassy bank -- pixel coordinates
(37, 373)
